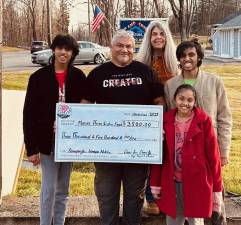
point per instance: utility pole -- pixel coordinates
(1, 12)
(49, 29)
(89, 19)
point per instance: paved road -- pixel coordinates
(21, 61)
(18, 61)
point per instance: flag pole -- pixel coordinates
(109, 24)
(107, 20)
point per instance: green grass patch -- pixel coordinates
(28, 183)
(231, 75)
(84, 167)
(19, 80)
(11, 49)
(15, 81)
(83, 174)
(81, 183)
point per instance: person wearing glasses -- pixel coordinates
(121, 81)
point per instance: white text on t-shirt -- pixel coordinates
(122, 82)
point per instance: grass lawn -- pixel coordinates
(231, 75)
(15, 80)
(19, 80)
(82, 177)
(11, 49)
(82, 183)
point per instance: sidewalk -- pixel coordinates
(208, 55)
(83, 210)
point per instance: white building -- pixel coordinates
(227, 37)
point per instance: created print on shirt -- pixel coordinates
(122, 80)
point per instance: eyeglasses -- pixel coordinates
(128, 47)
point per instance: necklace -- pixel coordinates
(62, 94)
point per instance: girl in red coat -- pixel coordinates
(188, 184)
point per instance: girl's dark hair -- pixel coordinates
(65, 41)
(186, 87)
(190, 44)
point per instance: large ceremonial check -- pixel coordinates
(108, 133)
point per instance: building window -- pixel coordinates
(226, 43)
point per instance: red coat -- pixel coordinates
(201, 169)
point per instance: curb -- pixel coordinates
(222, 60)
(154, 220)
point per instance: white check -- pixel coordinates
(108, 133)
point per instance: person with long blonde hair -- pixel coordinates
(158, 51)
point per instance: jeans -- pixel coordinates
(108, 179)
(54, 190)
(180, 219)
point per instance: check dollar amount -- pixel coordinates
(123, 123)
(108, 133)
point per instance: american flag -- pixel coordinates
(98, 17)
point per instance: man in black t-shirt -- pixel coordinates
(121, 81)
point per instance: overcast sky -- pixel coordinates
(79, 14)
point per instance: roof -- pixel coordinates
(228, 18)
(235, 22)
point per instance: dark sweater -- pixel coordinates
(40, 104)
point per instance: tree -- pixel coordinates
(113, 9)
(184, 12)
(63, 17)
(31, 8)
(178, 12)
(211, 11)
(49, 30)
(142, 5)
(190, 12)
(160, 8)
(104, 34)
(24, 21)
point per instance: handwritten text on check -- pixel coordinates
(108, 133)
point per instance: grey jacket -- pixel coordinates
(212, 98)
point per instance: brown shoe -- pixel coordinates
(151, 208)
